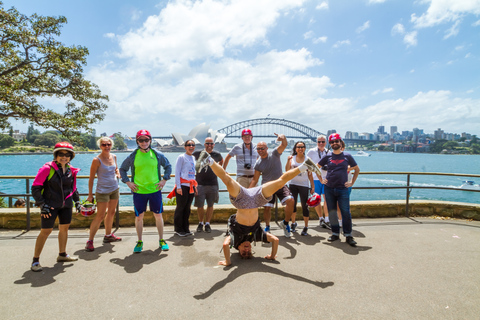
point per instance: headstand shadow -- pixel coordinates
(298, 240)
(94, 255)
(262, 267)
(43, 278)
(135, 262)
(347, 248)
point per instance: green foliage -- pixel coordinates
(3, 203)
(450, 145)
(6, 141)
(35, 65)
(31, 132)
(119, 141)
(47, 139)
(437, 146)
(170, 202)
(474, 139)
(475, 148)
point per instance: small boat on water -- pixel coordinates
(363, 154)
(469, 184)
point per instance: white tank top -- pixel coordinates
(302, 178)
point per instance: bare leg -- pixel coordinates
(111, 210)
(209, 214)
(159, 224)
(233, 186)
(95, 225)
(269, 188)
(62, 237)
(40, 243)
(139, 226)
(201, 214)
(267, 215)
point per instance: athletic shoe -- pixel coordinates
(163, 245)
(188, 233)
(294, 226)
(286, 229)
(304, 232)
(181, 234)
(267, 229)
(111, 238)
(325, 225)
(208, 229)
(334, 238)
(351, 242)
(200, 227)
(204, 160)
(89, 246)
(36, 267)
(138, 247)
(67, 258)
(312, 166)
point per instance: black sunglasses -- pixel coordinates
(189, 145)
(143, 140)
(64, 154)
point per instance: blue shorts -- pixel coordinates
(153, 199)
(319, 187)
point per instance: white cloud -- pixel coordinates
(386, 90)
(426, 110)
(453, 31)
(363, 27)
(375, 1)
(308, 34)
(410, 38)
(322, 6)
(342, 43)
(398, 29)
(476, 23)
(320, 40)
(443, 11)
(183, 31)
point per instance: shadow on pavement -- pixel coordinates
(45, 277)
(255, 265)
(135, 262)
(94, 255)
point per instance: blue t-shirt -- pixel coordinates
(337, 168)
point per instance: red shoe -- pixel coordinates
(89, 246)
(111, 238)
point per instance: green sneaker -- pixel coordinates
(163, 245)
(139, 247)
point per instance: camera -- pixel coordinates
(247, 166)
(325, 167)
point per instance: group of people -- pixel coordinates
(55, 192)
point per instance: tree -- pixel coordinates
(119, 141)
(6, 141)
(34, 65)
(450, 145)
(47, 139)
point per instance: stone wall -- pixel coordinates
(15, 218)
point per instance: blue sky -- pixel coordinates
(346, 64)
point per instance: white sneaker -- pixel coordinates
(204, 160)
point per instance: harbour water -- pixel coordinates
(28, 165)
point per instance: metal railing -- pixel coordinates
(408, 187)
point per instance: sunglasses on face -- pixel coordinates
(209, 143)
(106, 144)
(189, 145)
(63, 154)
(335, 141)
(143, 140)
(300, 147)
(261, 149)
(321, 141)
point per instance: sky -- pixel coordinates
(348, 65)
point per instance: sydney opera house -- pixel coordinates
(197, 134)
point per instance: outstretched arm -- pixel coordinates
(226, 252)
(274, 240)
(225, 162)
(283, 140)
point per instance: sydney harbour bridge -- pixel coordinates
(266, 127)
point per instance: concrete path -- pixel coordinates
(418, 268)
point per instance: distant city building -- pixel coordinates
(381, 129)
(19, 136)
(329, 132)
(348, 135)
(393, 130)
(438, 134)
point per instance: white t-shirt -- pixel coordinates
(315, 154)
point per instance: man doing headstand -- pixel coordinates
(244, 226)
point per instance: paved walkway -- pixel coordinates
(418, 268)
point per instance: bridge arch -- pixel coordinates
(297, 130)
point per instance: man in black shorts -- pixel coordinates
(270, 166)
(207, 187)
(244, 227)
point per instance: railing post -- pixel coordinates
(28, 203)
(117, 215)
(408, 195)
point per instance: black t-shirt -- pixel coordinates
(240, 233)
(208, 178)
